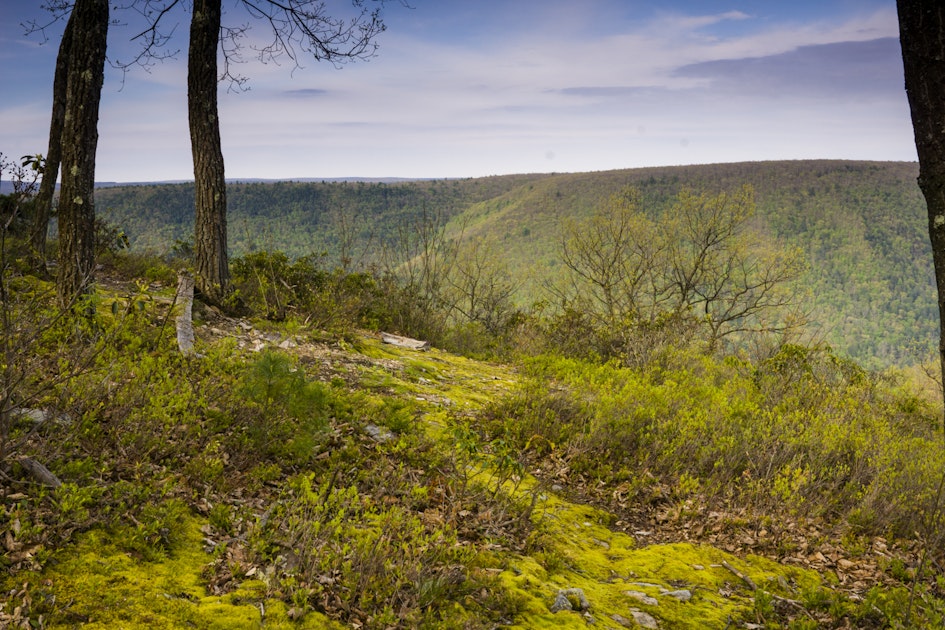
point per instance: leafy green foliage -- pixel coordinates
(277, 288)
(369, 557)
(803, 434)
(287, 412)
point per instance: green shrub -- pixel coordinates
(828, 441)
(286, 414)
(379, 565)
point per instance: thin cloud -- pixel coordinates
(306, 93)
(498, 87)
(677, 22)
(845, 69)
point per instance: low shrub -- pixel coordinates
(829, 441)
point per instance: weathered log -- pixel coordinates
(404, 342)
(39, 472)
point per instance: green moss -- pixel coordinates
(434, 375)
(573, 544)
(96, 584)
(582, 552)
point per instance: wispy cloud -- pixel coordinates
(306, 93)
(843, 69)
(478, 88)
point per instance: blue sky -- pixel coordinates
(467, 88)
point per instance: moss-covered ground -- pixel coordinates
(433, 523)
(94, 583)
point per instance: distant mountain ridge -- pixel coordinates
(862, 225)
(7, 187)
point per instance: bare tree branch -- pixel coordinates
(58, 10)
(302, 26)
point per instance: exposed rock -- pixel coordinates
(36, 416)
(561, 603)
(644, 620)
(405, 342)
(570, 599)
(39, 472)
(42, 416)
(379, 434)
(683, 595)
(643, 598)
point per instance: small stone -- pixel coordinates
(379, 434)
(683, 595)
(557, 487)
(36, 416)
(643, 598)
(623, 621)
(288, 344)
(698, 567)
(644, 620)
(561, 603)
(576, 598)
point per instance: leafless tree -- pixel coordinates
(611, 257)
(696, 262)
(716, 272)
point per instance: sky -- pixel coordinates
(471, 88)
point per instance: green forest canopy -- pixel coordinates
(861, 224)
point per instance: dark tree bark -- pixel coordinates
(210, 256)
(43, 204)
(922, 36)
(301, 23)
(79, 142)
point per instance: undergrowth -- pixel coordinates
(801, 434)
(373, 489)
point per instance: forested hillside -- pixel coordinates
(283, 460)
(861, 224)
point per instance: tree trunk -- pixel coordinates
(79, 142)
(922, 36)
(43, 204)
(210, 256)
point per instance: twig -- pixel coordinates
(754, 587)
(744, 578)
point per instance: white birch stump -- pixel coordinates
(185, 326)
